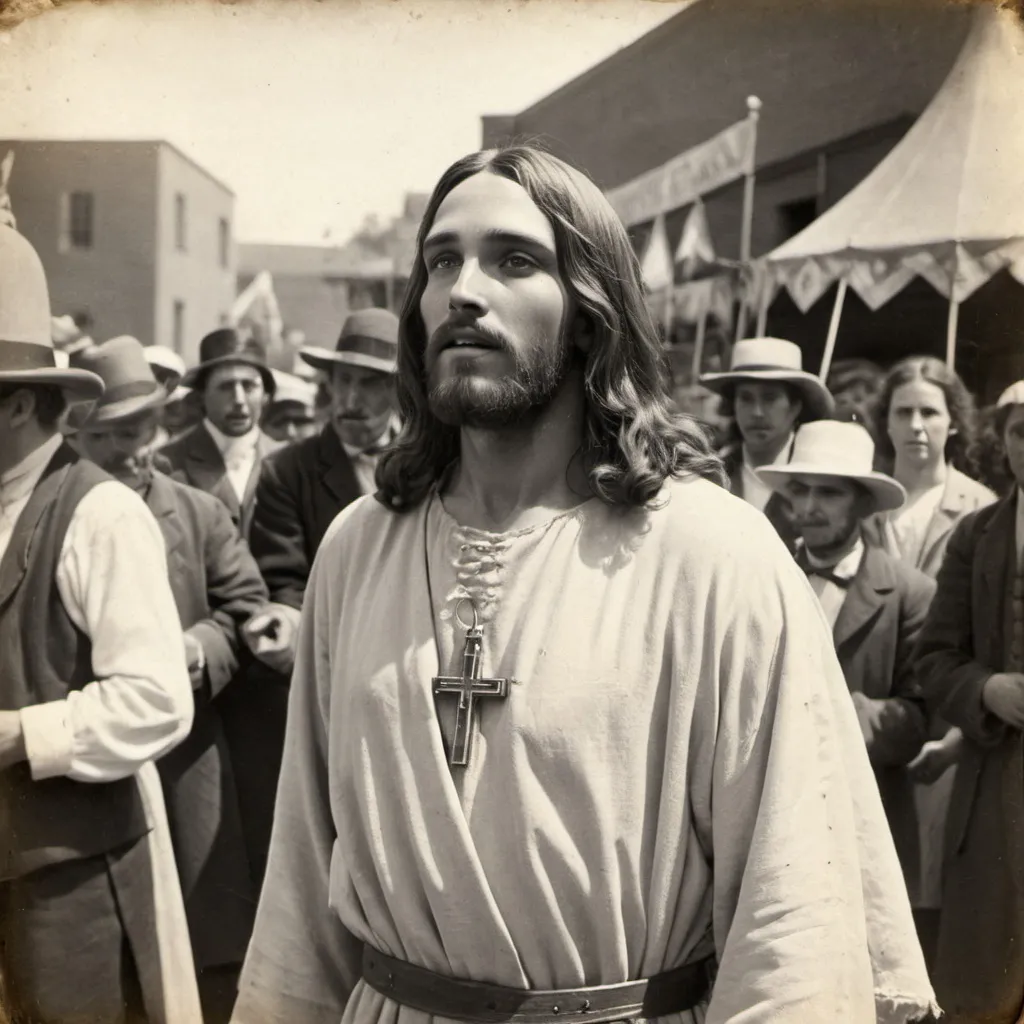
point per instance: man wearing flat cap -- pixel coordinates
(223, 454)
(768, 394)
(93, 688)
(874, 602)
(971, 657)
(216, 587)
(301, 490)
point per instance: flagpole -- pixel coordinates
(698, 345)
(833, 331)
(747, 228)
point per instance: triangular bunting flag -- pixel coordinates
(695, 249)
(656, 265)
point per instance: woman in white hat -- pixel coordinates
(769, 394)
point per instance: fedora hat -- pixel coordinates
(369, 338)
(129, 384)
(226, 347)
(773, 359)
(27, 353)
(836, 448)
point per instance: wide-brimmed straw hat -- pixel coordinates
(369, 338)
(773, 359)
(841, 449)
(27, 353)
(227, 347)
(168, 366)
(130, 385)
(292, 390)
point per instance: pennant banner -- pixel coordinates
(656, 266)
(724, 158)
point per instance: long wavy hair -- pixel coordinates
(961, 446)
(633, 441)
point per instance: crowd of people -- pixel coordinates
(698, 755)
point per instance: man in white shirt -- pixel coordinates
(223, 454)
(93, 687)
(769, 394)
(875, 604)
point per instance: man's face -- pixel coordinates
(494, 306)
(288, 422)
(120, 447)
(827, 510)
(919, 422)
(362, 401)
(766, 414)
(233, 398)
(1013, 440)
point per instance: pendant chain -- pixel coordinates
(430, 589)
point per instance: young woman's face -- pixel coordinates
(919, 423)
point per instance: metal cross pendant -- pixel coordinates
(468, 687)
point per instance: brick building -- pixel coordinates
(136, 237)
(840, 81)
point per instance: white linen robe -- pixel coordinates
(677, 770)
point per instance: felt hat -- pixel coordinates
(369, 338)
(293, 390)
(773, 359)
(168, 366)
(836, 448)
(27, 353)
(130, 386)
(227, 347)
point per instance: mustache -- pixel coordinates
(445, 334)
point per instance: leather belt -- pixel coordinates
(478, 1002)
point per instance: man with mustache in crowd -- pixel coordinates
(875, 603)
(93, 688)
(223, 454)
(302, 489)
(584, 741)
(216, 587)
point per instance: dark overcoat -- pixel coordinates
(875, 634)
(979, 972)
(216, 587)
(195, 459)
(302, 488)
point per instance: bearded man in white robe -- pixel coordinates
(567, 736)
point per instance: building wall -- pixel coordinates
(110, 284)
(195, 276)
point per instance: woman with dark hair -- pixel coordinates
(584, 732)
(926, 423)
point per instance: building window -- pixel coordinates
(224, 236)
(180, 222)
(77, 215)
(179, 325)
(795, 216)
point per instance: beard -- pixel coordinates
(467, 399)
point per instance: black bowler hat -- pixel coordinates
(226, 347)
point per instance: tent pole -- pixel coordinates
(698, 346)
(833, 331)
(747, 230)
(951, 326)
(762, 312)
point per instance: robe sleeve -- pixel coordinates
(811, 915)
(302, 963)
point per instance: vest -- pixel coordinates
(44, 656)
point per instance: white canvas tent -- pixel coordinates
(947, 204)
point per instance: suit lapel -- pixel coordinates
(160, 500)
(206, 470)
(336, 470)
(866, 596)
(943, 519)
(264, 446)
(995, 553)
(15, 560)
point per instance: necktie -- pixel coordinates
(826, 572)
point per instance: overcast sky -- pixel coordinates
(315, 113)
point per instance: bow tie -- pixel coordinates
(826, 572)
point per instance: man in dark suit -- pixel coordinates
(224, 453)
(768, 394)
(971, 657)
(302, 488)
(875, 604)
(216, 587)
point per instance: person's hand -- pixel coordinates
(271, 634)
(1003, 695)
(864, 706)
(936, 757)
(196, 660)
(12, 739)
